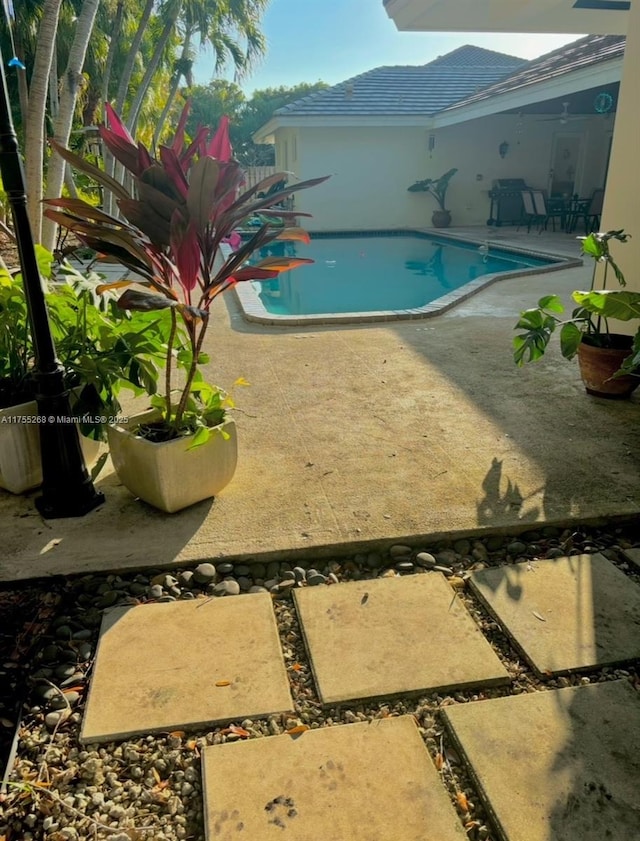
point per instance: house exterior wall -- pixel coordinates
(622, 196)
(287, 150)
(371, 168)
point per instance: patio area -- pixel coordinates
(363, 435)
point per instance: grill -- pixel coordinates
(506, 201)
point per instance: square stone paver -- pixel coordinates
(157, 667)
(372, 781)
(562, 765)
(565, 613)
(633, 555)
(392, 635)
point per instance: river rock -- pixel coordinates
(228, 587)
(206, 573)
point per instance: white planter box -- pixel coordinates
(170, 476)
(20, 465)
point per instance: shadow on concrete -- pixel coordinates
(124, 533)
(583, 776)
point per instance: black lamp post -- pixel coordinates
(67, 490)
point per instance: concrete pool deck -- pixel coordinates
(353, 435)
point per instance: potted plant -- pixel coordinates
(607, 360)
(185, 204)
(438, 187)
(102, 350)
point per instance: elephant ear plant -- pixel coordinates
(182, 207)
(588, 326)
(436, 186)
(588, 321)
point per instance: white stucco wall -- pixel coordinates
(371, 167)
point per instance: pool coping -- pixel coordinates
(253, 310)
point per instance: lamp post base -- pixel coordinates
(64, 506)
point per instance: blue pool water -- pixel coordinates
(378, 272)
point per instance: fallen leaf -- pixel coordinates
(177, 734)
(72, 689)
(299, 728)
(364, 599)
(463, 803)
(296, 667)
(156, 776)
(538, 616)
(471, 825)
(192, 744)
(439, 761)
(223, 683)
(239, 731)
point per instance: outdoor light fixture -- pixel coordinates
(503, 148)
(431, 142)
(67, 490)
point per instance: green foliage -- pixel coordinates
(212, 101)
(591, 316)
(102, 348)
(436, 186)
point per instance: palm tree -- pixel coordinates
(34, 128)
(216, 21)
(70, 84)
(225, 47)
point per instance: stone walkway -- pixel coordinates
(550, 765)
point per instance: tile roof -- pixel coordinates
(410, 90)
(582, 53)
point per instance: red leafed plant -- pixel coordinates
(183, 205)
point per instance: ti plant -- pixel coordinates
(436, 186)
(184, 205)
(589, 321)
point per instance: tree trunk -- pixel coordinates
(113, 45)
(152, 66)
(134, 49)
(123, 88)
(71, 82)
(23, 90)
(34, 129)
(106, 81)
(172, 92)
(54, 97)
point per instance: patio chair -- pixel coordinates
(589, 212)
(529, 214)
(546, 212)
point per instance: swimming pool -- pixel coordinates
(380, 276)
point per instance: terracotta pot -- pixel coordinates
(598, 365)
(441, 218)
(169, 475)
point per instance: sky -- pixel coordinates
(333, 40)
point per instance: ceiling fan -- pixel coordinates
(564, 117)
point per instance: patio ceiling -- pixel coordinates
(603, 17)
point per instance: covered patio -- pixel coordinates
(612, 17)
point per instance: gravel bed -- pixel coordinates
(150, 787)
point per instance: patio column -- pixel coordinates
(622, 197)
